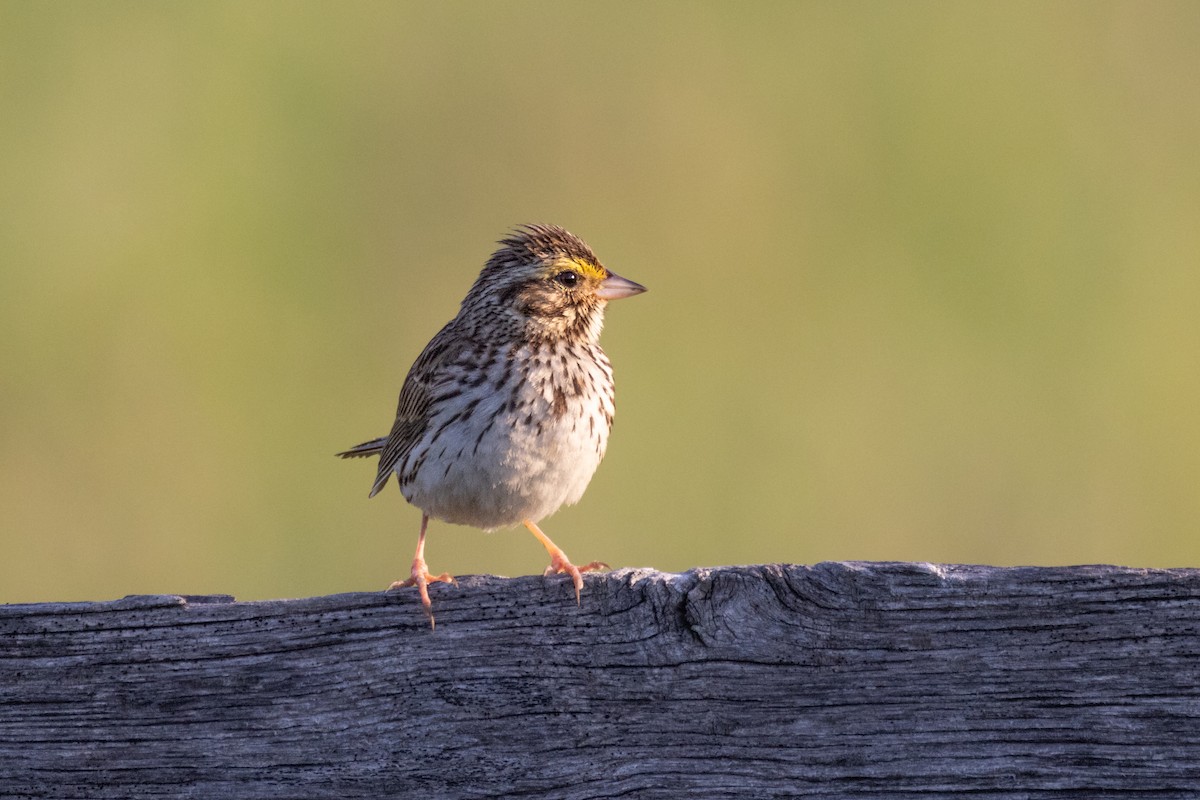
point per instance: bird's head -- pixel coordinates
(546, 283)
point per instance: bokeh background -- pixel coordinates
(925, 279)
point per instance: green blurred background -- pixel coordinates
(924, 279)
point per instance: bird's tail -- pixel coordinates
(371, 448)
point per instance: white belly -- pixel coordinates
(502, 465)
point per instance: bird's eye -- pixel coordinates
(567, 278)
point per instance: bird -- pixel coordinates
(505, 415)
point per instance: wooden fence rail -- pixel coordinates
(839, 680)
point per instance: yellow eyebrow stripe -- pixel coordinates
(585, 268)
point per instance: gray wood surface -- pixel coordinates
(839, 680)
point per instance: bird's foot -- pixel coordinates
(421, 578)
(559, 564)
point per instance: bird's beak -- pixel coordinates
(614, 287)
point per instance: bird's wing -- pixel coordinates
(412, 412)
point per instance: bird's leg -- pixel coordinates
(420, 576)
(559, 563)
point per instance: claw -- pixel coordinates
(420, 577)
(559, 563)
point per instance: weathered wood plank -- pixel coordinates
(841, 680)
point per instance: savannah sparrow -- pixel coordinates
(505, 415)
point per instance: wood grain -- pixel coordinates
(839, 680)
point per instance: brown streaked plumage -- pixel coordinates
(505, 415)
